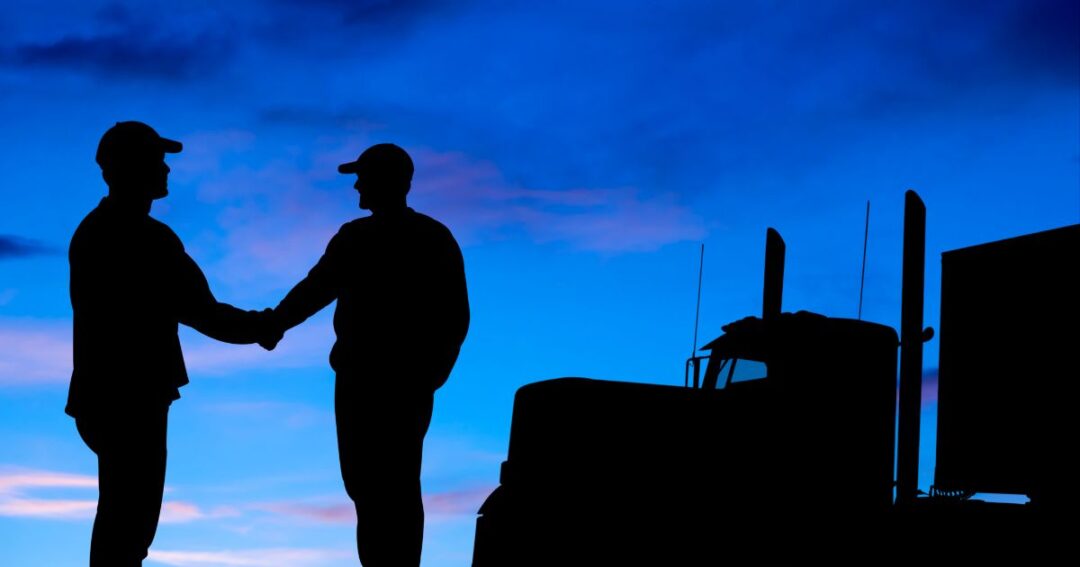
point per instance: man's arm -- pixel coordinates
(315, 291)
(200, 310)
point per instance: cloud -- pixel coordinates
(271, 557)
(342, 513)
(279, 216)
(292, 414)
(14, 481)
(47, 509)
(16, 484)
(370, 13)
(38, 352)
(306, 346)
(930, 386)
(455, 503)
(206, 151)
(18, 247)
(130, 45)
(34, 352)
(1040, 38)
(319, 118)
(177, 512)
(474, 195)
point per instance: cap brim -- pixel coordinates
(171, 146)
(351, 167)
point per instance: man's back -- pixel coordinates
(123, 279)
(399, 280)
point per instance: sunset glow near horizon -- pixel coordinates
(581, 152)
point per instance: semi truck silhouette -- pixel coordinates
(788, 451)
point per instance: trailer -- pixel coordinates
(790, 447)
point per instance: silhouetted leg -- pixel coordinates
(131, 454)
(380, 443)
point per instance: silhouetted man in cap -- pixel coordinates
(402, 314)
(131, 284)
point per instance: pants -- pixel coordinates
(131, 452)
(380, 443)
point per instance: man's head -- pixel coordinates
(132, 159)
(383, 176)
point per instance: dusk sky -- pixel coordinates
(580, 151)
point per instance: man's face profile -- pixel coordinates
(144, 175)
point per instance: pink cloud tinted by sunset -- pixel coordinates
(272, 557)
(17, 498)
(474, 196)
(277, 217)
(34, 352)
(463, 502)
(38, 352)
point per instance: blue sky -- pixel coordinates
(581, 152)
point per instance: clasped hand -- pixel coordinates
(272, 331)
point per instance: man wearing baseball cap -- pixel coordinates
(402, 315)
(132, 283)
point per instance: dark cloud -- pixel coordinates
(316, 118)
(122, 42)
(368, 12)
(128, 55)
(18, 247)
(668, 97)
(332, 27)
(1044, 37)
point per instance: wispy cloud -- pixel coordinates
(14, 480)
(130, 43)
(17, 247)
(49, 509)
(124, 55)
(34, 352)
(474, 195)
(385, 16)
(305, 346)
(17, 500)
(271, 557)
(333, 513)
(292, 414)
(178, 512)
(930, 386)
(279, 216)
(465, 502)
(38, 352)
(437, 505)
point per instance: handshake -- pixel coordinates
(269, 330)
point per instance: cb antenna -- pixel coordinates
(866, 238)
(694, 359)
(697, 310)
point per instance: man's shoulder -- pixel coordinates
(432, 225)
(161, 229)
(100, 227)
(415, 222)
(355, 227)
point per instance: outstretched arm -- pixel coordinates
(314, 292)
(199, 309)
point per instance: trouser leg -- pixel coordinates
(131, 481)
(380, 443)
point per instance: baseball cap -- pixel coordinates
(132, 139)
(387, 160)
